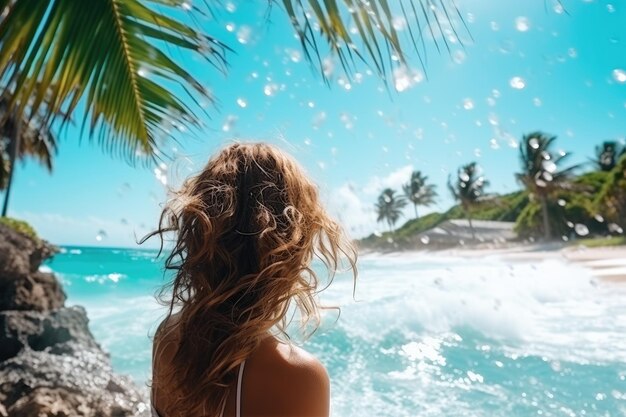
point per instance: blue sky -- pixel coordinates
(356, 139)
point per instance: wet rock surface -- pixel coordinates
(50, 364)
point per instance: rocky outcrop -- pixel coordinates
(50, 364)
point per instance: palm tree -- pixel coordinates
(541, 174)
(418, 192)
(608, 154)
(389, 207)
(108, 58)
(19, 139)
(468, 189)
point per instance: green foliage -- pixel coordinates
(603, 242)
(543, 178)
(595, 201)
(418, 191)
(20, 226)
(608, 154)
(111, 56)
(611, 198)
(568, 207)
(468, 187)
(389, 207)
(417, 226)
(376, 37)
(503, 208)
(35, 141)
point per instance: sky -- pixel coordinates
(524, 66)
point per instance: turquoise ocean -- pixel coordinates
(424, 335)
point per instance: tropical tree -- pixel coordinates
(32, 141)
(608, 154)
(418, 192)
(389, 207)
(541, 175)
(107, 58)
(468, 189)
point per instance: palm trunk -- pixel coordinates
(13, 148)
(469, 219)
(547, 232)
(471, 227)
(416, 215)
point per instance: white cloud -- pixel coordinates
(356, 216)
(353, 205)
(393, 180)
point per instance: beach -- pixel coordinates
(607, 264)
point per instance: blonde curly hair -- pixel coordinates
(247, 229)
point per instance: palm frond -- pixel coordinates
(108, 55)
(368, 31)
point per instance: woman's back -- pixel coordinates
(278, 379)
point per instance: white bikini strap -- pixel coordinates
(239, 383)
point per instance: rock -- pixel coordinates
(22, 285)
(50, 363)
(59, 369)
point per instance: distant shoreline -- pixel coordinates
(607, 264)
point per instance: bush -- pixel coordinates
(20, 226)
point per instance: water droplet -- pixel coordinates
(399, 23)
(518, 83)
(463, 176)
(102, 234)
(549, 166)
(405, 78)
(242, 102)
(230, 7)
(328, 66)
(561, 202)
(558, 8)
(599, 218)
(319, 119)
(610, 8)
(425, 240)
(494, 26)
(229, 123)
(581, 229)
(615, 228)
(243, 34)
(572, 52)
(619, 75)
(491, 102)
(186, 5)
(230, 27)
(493, 143)
(294, 55)
(534, 143)
(270, 89)
(143, 72)
(468, 104)
(458, 56)
(522, 24)
(537, 102)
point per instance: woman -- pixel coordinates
(247, 228)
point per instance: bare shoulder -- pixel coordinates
(285, 380)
